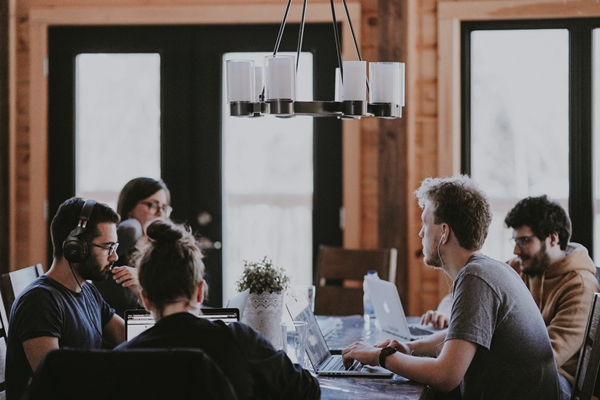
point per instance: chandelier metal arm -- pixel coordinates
(301, 34)
(282, 28)
(352, 30)
(336, 37)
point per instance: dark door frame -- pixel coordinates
(581, 194)
(203, 47)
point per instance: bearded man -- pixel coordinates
(60, 308)
(560, 276)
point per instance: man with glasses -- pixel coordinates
(559, 274)
(61, 309)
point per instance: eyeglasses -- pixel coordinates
(521, 241)
(154, 207)
(111, 247)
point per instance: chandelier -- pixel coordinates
(270, 89)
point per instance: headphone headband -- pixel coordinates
(75, 249)
(86, 212)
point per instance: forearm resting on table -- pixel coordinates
(443, 373)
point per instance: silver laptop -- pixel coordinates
(239, 301)
(324, 363)
(389, 312)
(137, 321)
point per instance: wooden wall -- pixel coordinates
(4, 128)
(384, 161)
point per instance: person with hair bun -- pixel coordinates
(141, 201)
(171, 275)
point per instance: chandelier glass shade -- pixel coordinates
(270, 89)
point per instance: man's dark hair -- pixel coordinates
(543, 216)
(137, 190)
(67, 218)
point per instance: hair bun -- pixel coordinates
(164, 231)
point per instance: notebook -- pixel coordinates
(389, 312)
(137, 321)
(324, 363)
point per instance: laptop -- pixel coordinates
(324, 363)
(390, 314)
(137, 321)
(239, 301)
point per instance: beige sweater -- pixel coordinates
(564, 294)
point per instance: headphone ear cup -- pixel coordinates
(75, 250)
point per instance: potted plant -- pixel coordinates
(264, 308)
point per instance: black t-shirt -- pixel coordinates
(254, 367)
(47, 308)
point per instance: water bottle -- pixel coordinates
(369, 311)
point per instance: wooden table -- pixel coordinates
(344, 388)
(398, 388)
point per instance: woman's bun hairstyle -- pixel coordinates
(162, 231)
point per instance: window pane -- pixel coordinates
(118, 122)
(519, 121)
(268, 187)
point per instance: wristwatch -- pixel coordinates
(386, 351)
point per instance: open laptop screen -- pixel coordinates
(137, 321)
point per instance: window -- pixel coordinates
(117, 105)
(527, 112)
(268, 187)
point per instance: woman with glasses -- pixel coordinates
(141, 201)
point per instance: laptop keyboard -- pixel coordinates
(338, 365)
(415, 331)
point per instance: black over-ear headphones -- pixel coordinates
(76, 249)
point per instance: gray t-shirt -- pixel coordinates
(493, 309)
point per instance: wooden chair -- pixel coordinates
(586, 377)
(70, 374)
(14, 282)
(340, 274)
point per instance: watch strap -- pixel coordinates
(386, 351)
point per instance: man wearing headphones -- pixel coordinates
(61, 309)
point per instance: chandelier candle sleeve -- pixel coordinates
(386, 87)
(280, 75)
(384, 82)
(258, 83)
(338, 85)
(354, 86)
(240, 81)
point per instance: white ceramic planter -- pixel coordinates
(263, 313)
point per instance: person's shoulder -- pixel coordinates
(129, 232)
(41, 287)
(242, 331)
(480, 263)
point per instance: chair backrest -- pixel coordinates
(14, 282)
(3, 334)
(129, 375)
(340, 274)
(586, 377)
